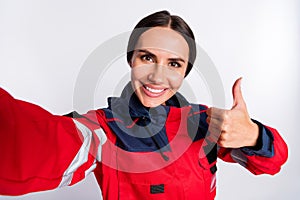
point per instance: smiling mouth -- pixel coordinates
(153, 92)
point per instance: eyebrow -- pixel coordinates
(153, 55)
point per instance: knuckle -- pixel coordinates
(225, 136)
(222, 143)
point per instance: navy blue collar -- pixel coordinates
(138, 128)
(128, 102)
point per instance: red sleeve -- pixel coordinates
(259, 164)
(41, 151)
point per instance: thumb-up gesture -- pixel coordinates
(232, 128)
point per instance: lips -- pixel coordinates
(153, 91)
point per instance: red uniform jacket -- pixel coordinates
(134, 152)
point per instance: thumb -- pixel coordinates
(238, 100)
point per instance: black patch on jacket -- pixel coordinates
(156, 189)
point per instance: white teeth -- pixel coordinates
(154, 90)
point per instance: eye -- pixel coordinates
(174, 64)
(147, 58)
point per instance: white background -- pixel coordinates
(43, 45)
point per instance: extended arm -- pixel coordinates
(41, 151)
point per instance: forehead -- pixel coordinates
(164, 39)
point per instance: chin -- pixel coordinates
(151, 104)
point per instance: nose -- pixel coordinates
(157, 75)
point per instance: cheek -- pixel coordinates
(176, 82)
(175, 79)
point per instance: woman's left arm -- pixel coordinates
(257, 147)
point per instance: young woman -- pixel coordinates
(149, 143)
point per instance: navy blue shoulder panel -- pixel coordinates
(197, 125)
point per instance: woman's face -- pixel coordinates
(158, 65)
